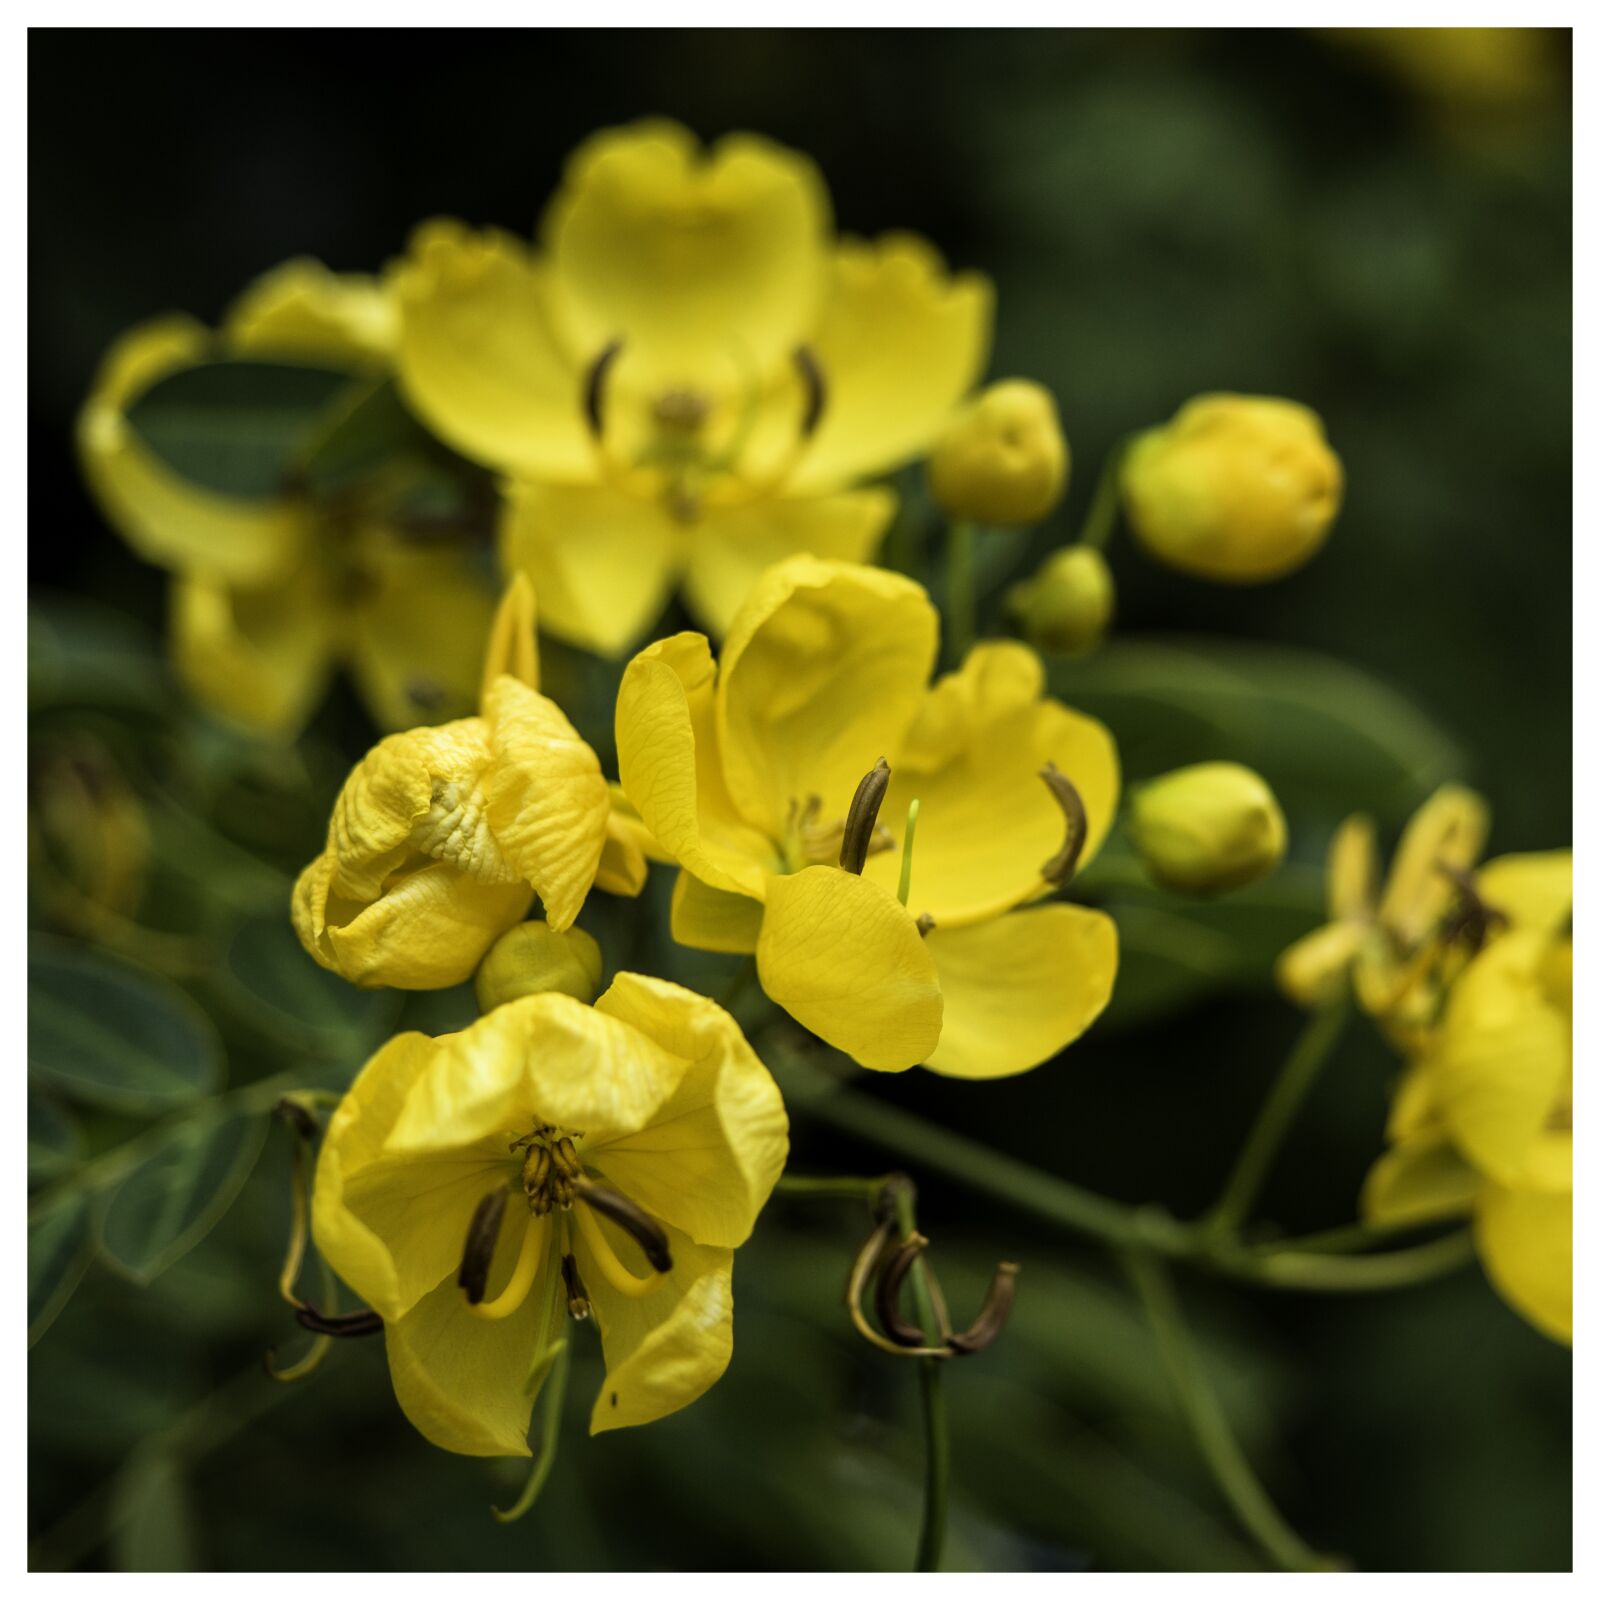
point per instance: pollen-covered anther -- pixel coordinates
(680, 410)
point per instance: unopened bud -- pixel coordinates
(1066, 606)
(1235, 488)
(1003, 458)
(534, 959)
(1207, 828)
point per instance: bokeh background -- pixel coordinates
(1378, 227)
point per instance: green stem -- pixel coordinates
(1335, 1274)
(1307, 1058)
(804, 1188)
(935, 1422)
(961, 595)
(551, 1402)
(1209, 1424)
(906, 848)
(1100, 522)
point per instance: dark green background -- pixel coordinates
(1162, 213)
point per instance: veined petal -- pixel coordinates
(844, 958)
(712, 919)
(692, 259)
(668, 755)
(987, 823)
(548, 802)
(707, 1160)
(1020, 988)
(1524, 1239)
(602, 562)
(167, 520)
(899, 345)
(822, 674)
(1421, 1179)
(730, 547)
(301, 310)
(667, 1348)
(1448, 831)
(477, 357)
(1534, 891)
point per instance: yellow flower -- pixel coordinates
(1208, 828)
(1003, 458)
(745, 772)
(1235, 488)
(270, 596)
(534, 959)
(689, 376)
(442, 836)
(1068, 603)
(551, 1162)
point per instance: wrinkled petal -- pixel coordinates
(844, 958)
(712, 919)
(166, 519)
(1020, 988)
(822, 673)
(1524, 1239)
(900, 343)
(302, 311)
(1422, 1179)
(668, 757)
(686, 256)
(602, 562)
(730, 547)
(1533, 891)
(707, 1160)
(1447, 832)
(478, 360)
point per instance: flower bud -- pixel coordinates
(534, 959)
(1003, 458)
(1066, 606)
(1236, 488)
(1207, 828)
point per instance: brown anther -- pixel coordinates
(536, 1171)
(594, 387)
(861, 821)
(1473, 917)
(992, 1316)
(565, 1155)
(483, 1233)
(925, 924)
(890, 1282)
(680, 410)
(633, 1219)
(816, 387)
(347, 1325)
(577, 1296)
(1060, 867)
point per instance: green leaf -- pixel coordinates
(236, 428)
(178, 1193)
(275, 986)
(152, 1515)
(84, 654)
(58, 1251)
(55, 1145)
(373, 427)
(105, 1032)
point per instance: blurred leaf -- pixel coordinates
(172, 1199)
(372, 427)
(152, 1515)
(55, 1145)
(102, 1031)
(236, 427)
(1166, 961)
(58, 1251)
(275, 985)
(82, 653)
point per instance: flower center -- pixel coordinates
(550, 1168)
(808, 841)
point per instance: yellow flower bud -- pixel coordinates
(1066, 606)
(1207, 828)
(1236, 488)
(1003, 458)
(532, 958)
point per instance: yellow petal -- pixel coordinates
(302, 311)
(513, 647)
(624, 867)
(1448, 831)
(1534, 891)
(477, 358)
(1421, 1179)
(260, 657)
(1020, 988)
(730, 547)
(668, 756)
(822, 674)
(167, 520)
(712, 919)
(987, 823)
(1353, 870)
(601, 562)
(547, 800)
(707, 1160)
(1416, 1101)
(1524, 1239)
(900, 343)
(843, 957)
(699, 262)
(667, 1348)
(1313, 970)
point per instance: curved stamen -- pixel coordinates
(483, 1233)
(520, 1283)
(862, 818)
(1060, 867)
(890, 1282)
(594, 384)
(993, 1314)
(604, 1257)
(633, 1219)
(816, 387)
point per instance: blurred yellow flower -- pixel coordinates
(1067, 605)
(553, 1161)
(442, 836)
(687, 378)
(1208, 828)
(1235, 488)
(1003, 458)
(270, 596)
(745, 773)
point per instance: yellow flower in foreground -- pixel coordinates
(270, 596)
(442, 836)
(745, 772)
(1482, 1123)
(687, 378)
(552, 1162)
